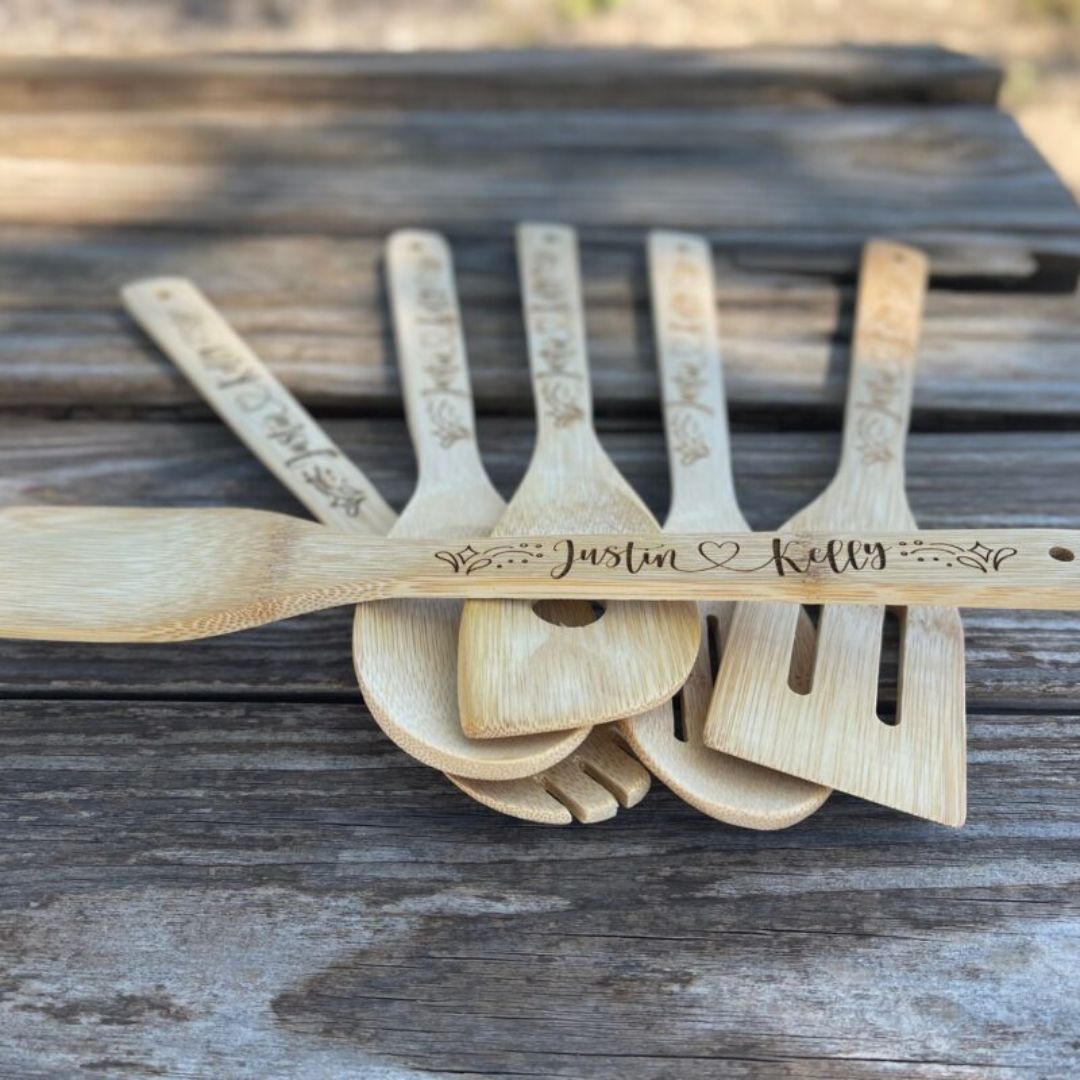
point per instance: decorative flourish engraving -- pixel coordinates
(468, 560)
(688, 440)
(338, 492)
(787, 556)
(877, 421)
(447, 425)
(977, 556)
(435, 333)
(551, 312)
(285, 424)
(561, 406)
(686, 338)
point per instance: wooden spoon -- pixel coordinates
(833, 734)
(517, 672)
(294, 447)
(406, 652)
(703, 499)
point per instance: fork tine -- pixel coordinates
(526, 799)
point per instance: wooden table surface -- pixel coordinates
(213, 864)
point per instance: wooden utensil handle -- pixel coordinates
(117, 574)
(555, 331)
(258, 408)
(691, 381)
(884, 352)
(431, 355)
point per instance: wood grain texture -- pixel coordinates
(176, 875)
(312, 308)
(837, 173)
(579, 79)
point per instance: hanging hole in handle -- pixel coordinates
(1062, 554)
(569, 613)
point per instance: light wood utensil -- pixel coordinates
(833, 734)
(406, 652)
(290, 442)
(103, 573)
(668, 738)
(518, 672)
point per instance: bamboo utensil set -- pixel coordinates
(502, 693)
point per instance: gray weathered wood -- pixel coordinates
(577, 79)
(313, 308)
(270, 890)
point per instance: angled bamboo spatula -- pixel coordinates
(517, 671)
(832, 734)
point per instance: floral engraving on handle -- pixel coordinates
(885, 335)
(877, 423)
(551, 313)
(685, 330)
(562, 408)
(339, 493)
(435, 329)
(977, 556)
(468, 560)
(303, 447)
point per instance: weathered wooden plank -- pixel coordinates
(313, 307)
(1015, 659)
(579, 78)
(272, 890)
(852, 170)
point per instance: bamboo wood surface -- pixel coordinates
(703, 496)
(212, 863)
(517, 671)
(830, 732)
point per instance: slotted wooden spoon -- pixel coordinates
(833, 734)
(518, 672)
(282, 434)
(703, 499)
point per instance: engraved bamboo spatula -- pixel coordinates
(703, 499)
(294, 447)
(109, 573)
(832, 734)
(518, 672)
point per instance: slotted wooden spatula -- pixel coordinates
(668, 738)
(832, 734)
(517, 672)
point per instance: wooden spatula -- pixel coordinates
(833, 734)
(281, 433)
(106, 573)
(518, 672)
(703, 499)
